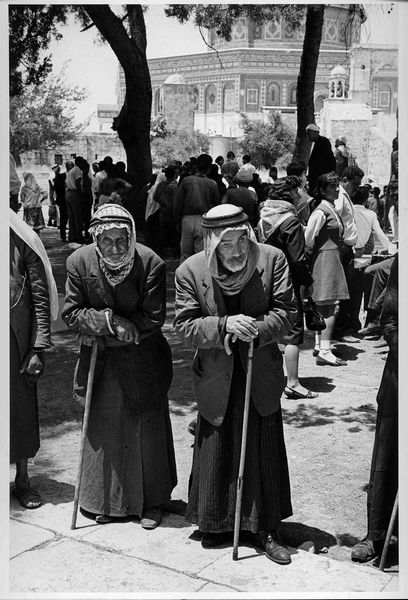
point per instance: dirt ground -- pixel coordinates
(329, 439)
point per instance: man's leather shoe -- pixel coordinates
(151, 518)
(213, 540)
(366, 550)
(273, 549)
(370, 329)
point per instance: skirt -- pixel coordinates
(24, 426)
(213, 480)
(329, 280)
(129, 461)
(34, 217)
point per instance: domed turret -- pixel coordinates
(176, 78)
(338, 84)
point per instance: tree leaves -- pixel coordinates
(178, 145)
(42, 116)
(266, 142)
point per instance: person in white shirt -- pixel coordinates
(368, 227)
(351, 182)
(246, 164)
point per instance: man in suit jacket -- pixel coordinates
(238, 287)
(322, 159)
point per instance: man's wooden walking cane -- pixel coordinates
(240, 482)
(84, 430)
(389, 533)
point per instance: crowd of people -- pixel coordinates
(252, 253)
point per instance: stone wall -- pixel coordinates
(91, 146)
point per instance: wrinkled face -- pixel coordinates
(113, 244)
(233, 250)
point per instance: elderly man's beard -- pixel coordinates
(235, 264)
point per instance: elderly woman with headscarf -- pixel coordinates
(239, 287)
(280, 226)
(116, 295)
(32, 197)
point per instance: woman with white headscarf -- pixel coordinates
(116, 294)
(32, 197)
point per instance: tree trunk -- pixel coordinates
(133, 121)
(306, 79)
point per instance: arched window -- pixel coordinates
(292, 95)
(318, 103)
(195, 97)
(157, 102)
(211, 98)
(228, 100)
(252, 96)
(273, 95)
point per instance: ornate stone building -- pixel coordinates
(257, 71)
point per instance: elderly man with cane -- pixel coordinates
(116, 296)
(240, 290)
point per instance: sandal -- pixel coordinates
(27, 496)
(336, 363)
(293, 394)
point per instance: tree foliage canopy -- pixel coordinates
(31, 29)
(222, 16)
(267, 142)
(42, 116)
(179, 145)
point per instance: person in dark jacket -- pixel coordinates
(321, 159)
(238, 287)
(243, 197)
(196, 194)
(383, 485)
(116, 296)
(280, 227)
(33, 300)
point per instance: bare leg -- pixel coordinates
(22, 479)
(327, 312)
(22, 482)
(292, 368)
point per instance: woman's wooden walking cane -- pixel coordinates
(240, 482)
(389, 533)
(87, 409)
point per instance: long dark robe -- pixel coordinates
(129, 461)
(383, 483)
(24, 426)
(213, 480)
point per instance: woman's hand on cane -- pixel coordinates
(125, 330)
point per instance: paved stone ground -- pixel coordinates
(328, 496)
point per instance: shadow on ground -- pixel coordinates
(313, 415)
(297, 534)
(50, 490)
